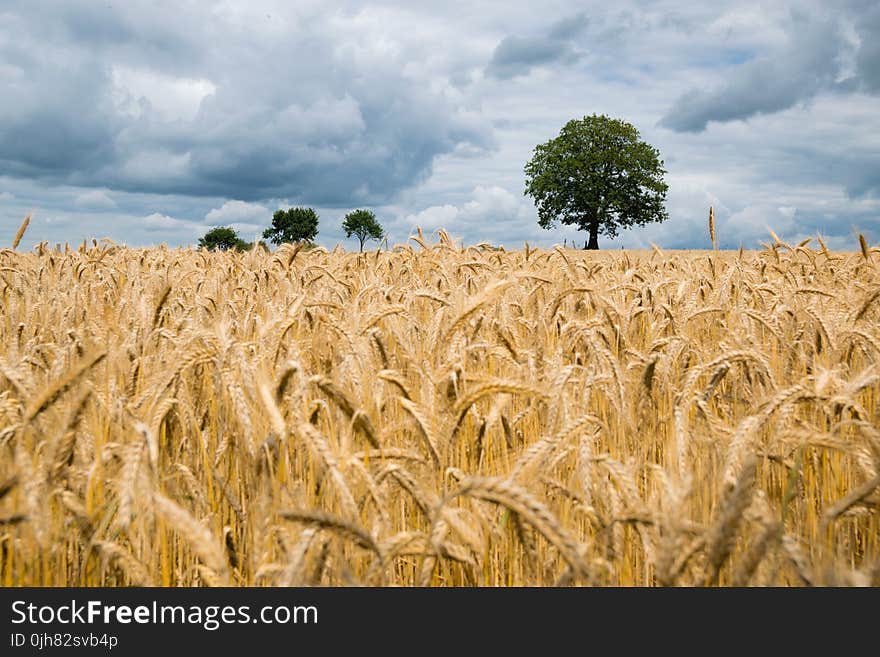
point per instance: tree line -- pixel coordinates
(597, 174)
(295, 225)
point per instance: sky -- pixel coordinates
(151, 122)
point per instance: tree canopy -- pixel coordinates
(599, 176)
(223, 238)
(363, 225)
(293, 225)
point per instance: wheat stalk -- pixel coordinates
(20, 233)
(344, 528)
(529, 510)
(863, 245)
(712, 227)
(196, 534)
(58, 387)
(439, 414)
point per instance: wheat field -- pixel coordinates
(435, 415)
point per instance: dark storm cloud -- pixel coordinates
(518, 55)
(54, 118)
(868, 58)
(569, 28)
(357, 145)
(152, 120)
(810, 63)
(290, 113)
(764, 85)
(857, 172)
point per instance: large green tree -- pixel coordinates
(223, 238)
(363, 225)
(599, 176)
(293, 225)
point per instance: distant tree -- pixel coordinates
(598, 175)
(293, 225)
(363, 225)
(223, 238)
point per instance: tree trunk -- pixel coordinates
(593, 244)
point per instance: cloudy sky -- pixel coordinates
(150, 122)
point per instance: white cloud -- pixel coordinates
(434, 217)
(202, 117)
(495, 202)
(491, 203)
(239, 212)
(95, 198)
(151, 165)
(491, 213)
(162, 222)
(754, 222)
(173, 98)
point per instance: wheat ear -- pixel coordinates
(20, 233)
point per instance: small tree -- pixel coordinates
(293, 225)
(598, 175)
(223, 238)
(363, 225)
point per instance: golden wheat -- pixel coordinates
(20, 233)
(439, 415)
